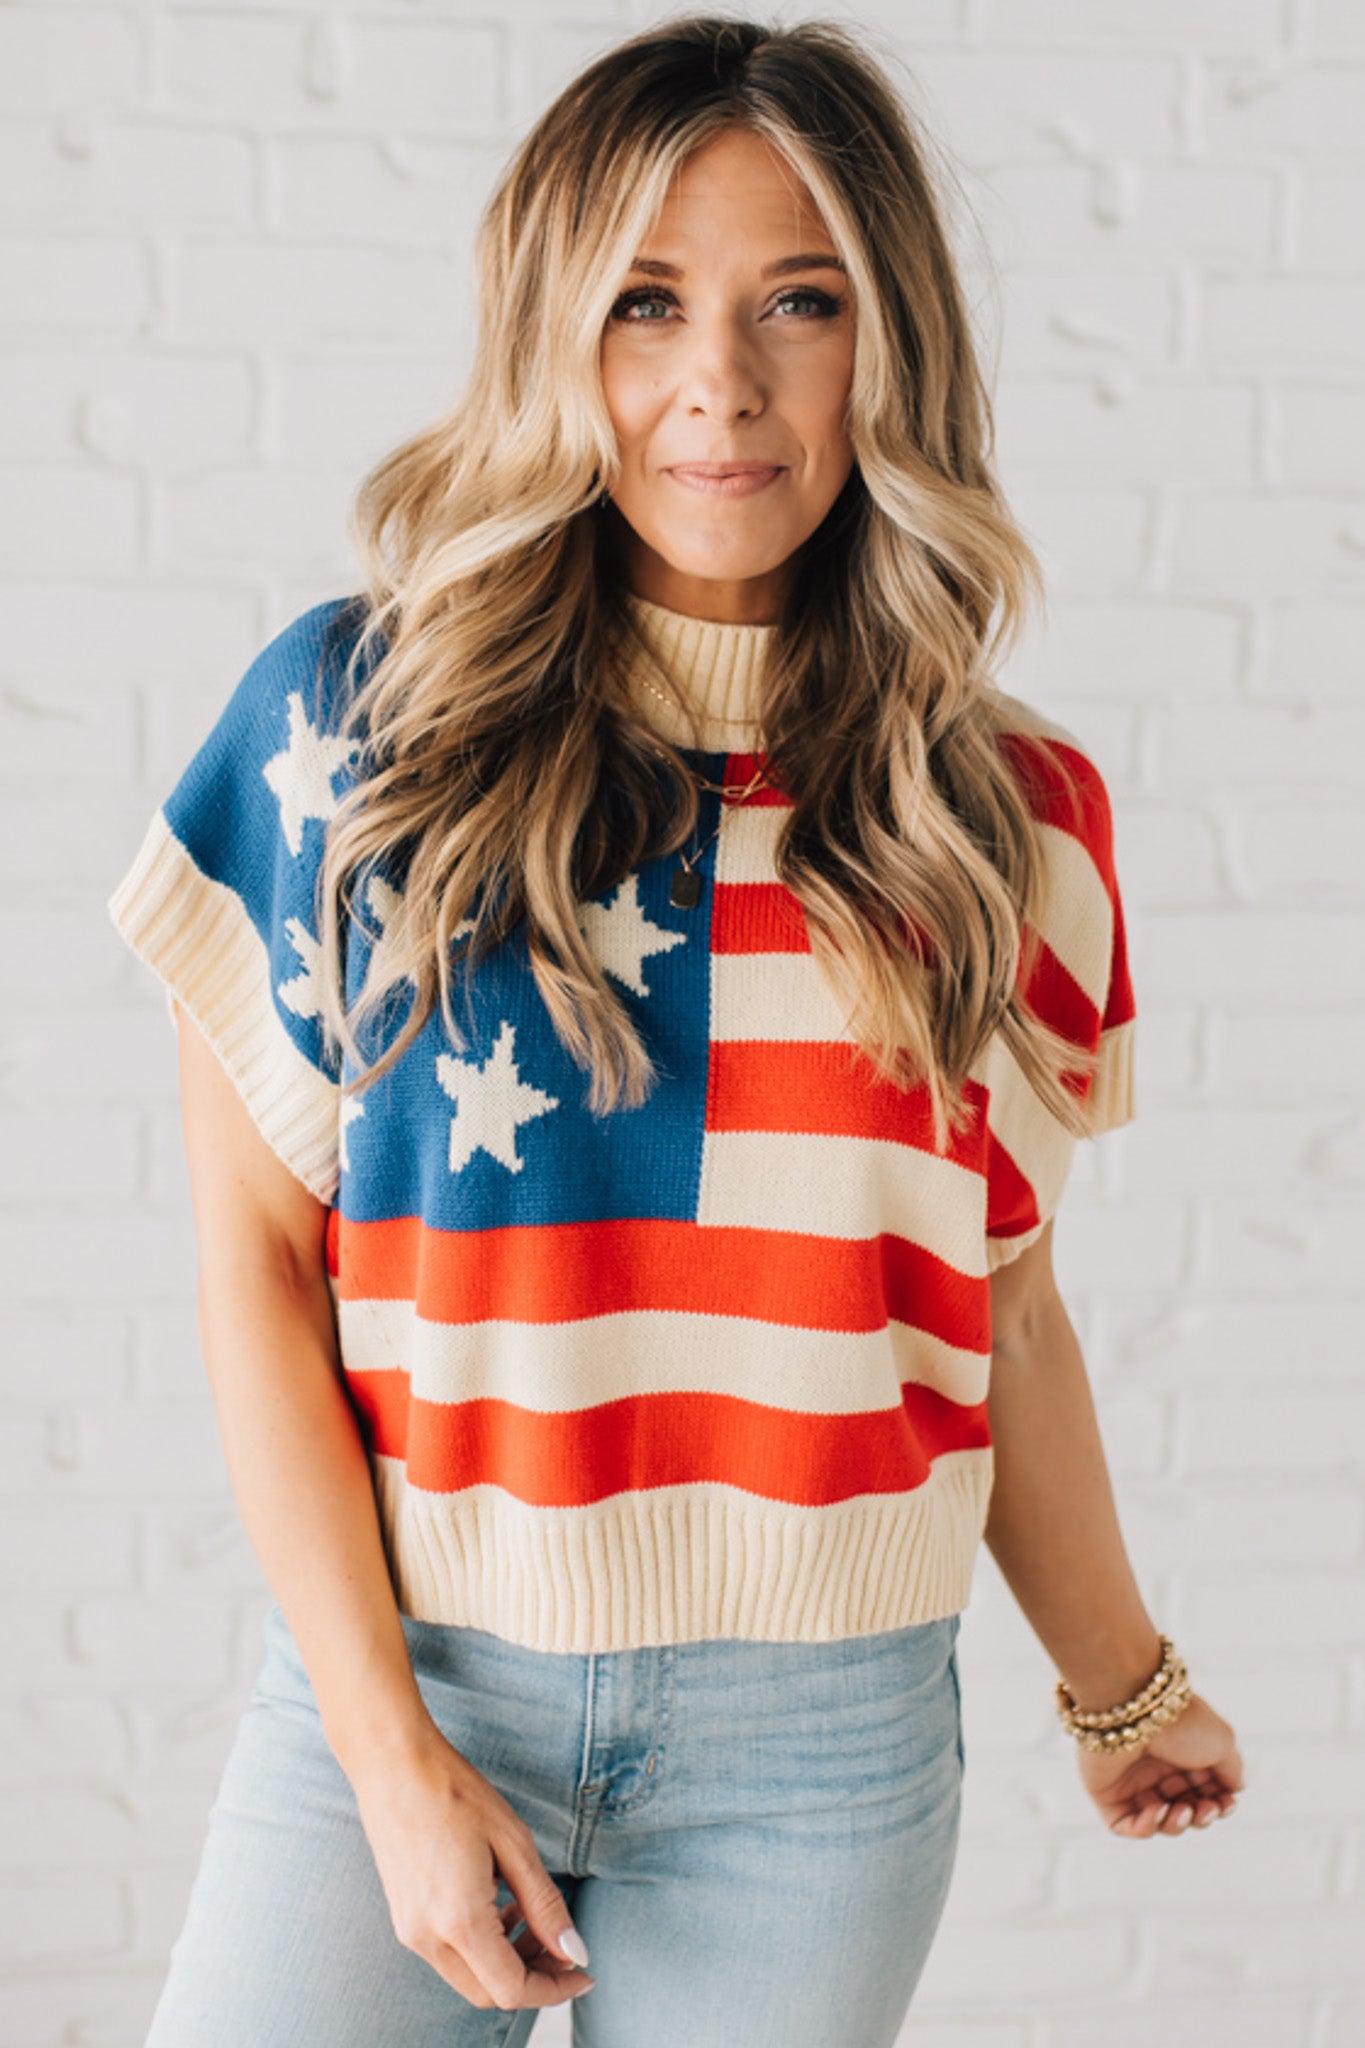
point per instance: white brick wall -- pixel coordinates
(237, 240)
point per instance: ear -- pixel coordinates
(1022, 1290)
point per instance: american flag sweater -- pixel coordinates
(713, 1367)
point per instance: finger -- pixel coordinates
(481, 1943)
(511, 1915)
(538, 1988)
(532, 1949)
(543, 1903)
(1137, 1821)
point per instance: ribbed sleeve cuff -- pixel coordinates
(1110, 1100)
(195, 934)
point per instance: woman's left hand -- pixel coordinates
(1186, 1774)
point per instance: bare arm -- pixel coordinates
(290, 1438)
(1052, 1527)
(441, 1833)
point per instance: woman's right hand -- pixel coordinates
(441, 1835)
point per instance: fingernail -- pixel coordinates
(1162, 1813)
(571, 1941)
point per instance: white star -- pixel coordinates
(384, 900)
(491, 1103)
(301, 773)
(351, 1108)
(300, 992)
(622, 937)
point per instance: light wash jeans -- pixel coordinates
(755, 1841)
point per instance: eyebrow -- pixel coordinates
(784, 266)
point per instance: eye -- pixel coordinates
(825, 306)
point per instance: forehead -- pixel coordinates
(737, 183)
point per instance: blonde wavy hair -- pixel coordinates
(504, 768)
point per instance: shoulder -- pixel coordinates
(308, 656)
(1061, 780)
(273, 757)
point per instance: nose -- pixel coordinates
(720, 375)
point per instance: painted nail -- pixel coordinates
(571, 1941)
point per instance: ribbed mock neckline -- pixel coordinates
(717, 668)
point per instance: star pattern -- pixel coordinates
(351, 1108)
(492, 1102)
(300, 775)
(301, 992)
(622, 937)
(383, 901)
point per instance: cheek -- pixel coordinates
(629, 390)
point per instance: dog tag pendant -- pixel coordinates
(684, 891)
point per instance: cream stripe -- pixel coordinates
(195, 934)
(749, 833)
(845, 1187)
(773, 997)
(1039, 1145)
(555, 1368)
(1076, 920)
(678, 1564)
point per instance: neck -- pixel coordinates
(715, 670)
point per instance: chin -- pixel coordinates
(735, 563)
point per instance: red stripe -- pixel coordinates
(1011, 1205)
(563, 1272)
(820, 1086)
(647, 1440)
(757, 917)
(1042, 763)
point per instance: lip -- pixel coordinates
(727, 479)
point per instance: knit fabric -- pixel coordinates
(712, 1367)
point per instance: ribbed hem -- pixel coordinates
(195, 934)
(678, 1564)
(715, 667)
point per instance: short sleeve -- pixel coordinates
(1082, 985)
(219, 900)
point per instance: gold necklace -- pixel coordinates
(684, 888)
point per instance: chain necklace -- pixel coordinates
(684, 888)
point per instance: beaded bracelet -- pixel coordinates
(1166, 1694)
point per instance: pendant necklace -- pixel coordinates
(684, 888)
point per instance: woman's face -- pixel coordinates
(710, 356)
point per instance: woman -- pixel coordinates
(617, 1378)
